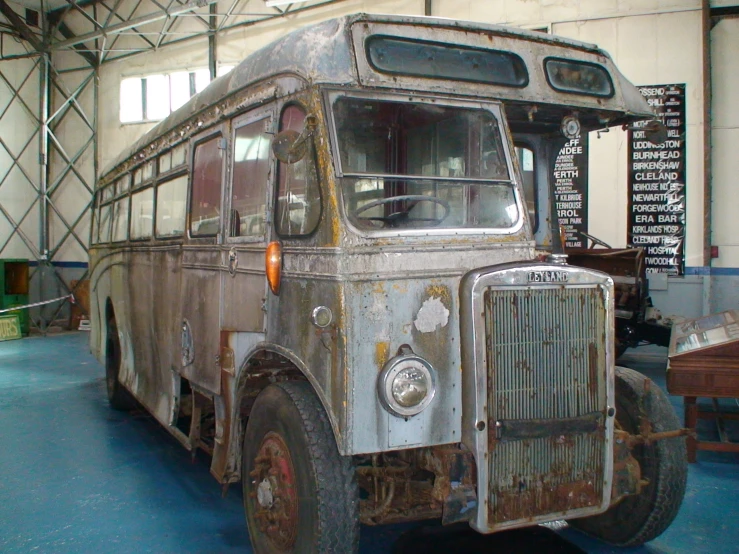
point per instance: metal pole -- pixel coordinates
(707, 160)
(44, 158)
(428, 8)
(212, 44)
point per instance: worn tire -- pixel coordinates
(640, 518)
(118, 397)
(619, 348)
(327, 501)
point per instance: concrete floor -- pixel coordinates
(80, 477)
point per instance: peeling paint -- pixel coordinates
(432, 314)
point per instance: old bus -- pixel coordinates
(322, 271)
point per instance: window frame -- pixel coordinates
(125, 201)
(495, 107)
(183, 172)
(276, 180)
(144, 187)
(578, 92)
(95, 222)
(533, 222)
(517, 61)
(172, 168)
(268, 114)
(107, 204)
(216, 133)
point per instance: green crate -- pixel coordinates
(14, 288)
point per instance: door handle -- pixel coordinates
(233, 262)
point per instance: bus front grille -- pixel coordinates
(546, 395)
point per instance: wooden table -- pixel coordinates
(704, 362)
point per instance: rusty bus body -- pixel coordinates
(461, 377)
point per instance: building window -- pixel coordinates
(154, 97)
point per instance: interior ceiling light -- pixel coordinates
(273, 3)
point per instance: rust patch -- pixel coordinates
(382, 353)
(626, 469)
(528, 500)
(441, 292)
(593, 369)
(417, 484)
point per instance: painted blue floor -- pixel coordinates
(77, 476)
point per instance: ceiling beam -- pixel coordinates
(15, 20)
(82, 50)
(53, 16)
(131, 23)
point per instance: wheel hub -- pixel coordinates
(264, 494)
(273, 480)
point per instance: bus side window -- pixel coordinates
(170, 207)
(205, 202)
(526, 162)
(298, 197)
(94, 238)
(104, 229)
(250, 171)
(120, 220)
(142, 210)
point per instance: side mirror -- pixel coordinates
(655, 132)
(289, 146)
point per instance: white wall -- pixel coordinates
(725, 140)
(17, 127)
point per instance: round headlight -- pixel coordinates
(406, 385)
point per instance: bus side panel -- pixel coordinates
(152, 339)
(97, 309)
(321, 352)
(384, 315)
(244, 291)
(165, 326)
(200, 302)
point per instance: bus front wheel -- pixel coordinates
(300, 494)
(640, 518)
(118, 396)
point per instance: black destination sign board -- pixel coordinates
(570, 178)
(657, 184)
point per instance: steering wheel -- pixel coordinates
(396, 219)
(594, 240)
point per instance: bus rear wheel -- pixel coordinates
(118, 397)
(300, 494)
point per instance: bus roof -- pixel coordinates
(324, 53)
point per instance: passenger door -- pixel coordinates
(244, 285)
(202, 263)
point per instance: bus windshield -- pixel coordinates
(412, 165)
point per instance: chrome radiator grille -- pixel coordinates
(546, 366)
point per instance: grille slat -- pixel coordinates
(545, 360)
